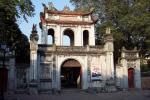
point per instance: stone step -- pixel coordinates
(20, 91)
(45, 91)
(70, 90)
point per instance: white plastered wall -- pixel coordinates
(119, 76)
(100, 63)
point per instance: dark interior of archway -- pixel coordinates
(70, 77)
(51, 32)
(70, 34)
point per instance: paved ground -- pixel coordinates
(80, 95)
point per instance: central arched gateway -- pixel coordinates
(71, 74)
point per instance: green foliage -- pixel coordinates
(22, 50)
(17, 8)
(128, 19)
(10, 33)
(145, 67)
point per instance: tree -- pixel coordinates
(17, 8)
(128, 19)
(10, 11)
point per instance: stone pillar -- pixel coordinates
(137, 80)
(103, 68)
(61, 35)
(125, 74)
(109, 48)
(54, 69)
(78, 38)
(89, 69)
(33, 65)
(44, 35)
(38, 67)
(33, 61)
(85, 75)
(118, 75)
(110, 64)
(125, 70)
(92, 36)
(57, 35)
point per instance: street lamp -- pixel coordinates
(4, 49)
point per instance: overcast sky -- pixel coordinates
(27, 27)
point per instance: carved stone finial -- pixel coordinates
(108, 30)
(92, 9)
(34, 29)
(66, 8)
(123, 48)
(135, 49)
(50, 6)
(34, 36)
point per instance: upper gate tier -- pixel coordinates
(78, 25)
(66, 16)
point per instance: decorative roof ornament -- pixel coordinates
(95, 17)
(66, 8)
(50, 6)
(44, 6)
(92, 9)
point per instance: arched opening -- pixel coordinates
(85, 37)
(50, 36)
(71, 74)
(131, 78)
(68, 33)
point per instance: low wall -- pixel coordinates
(145, 82)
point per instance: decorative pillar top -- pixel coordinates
(34, 30)
(66, 8)
(108, 35)
(34, 36)
(108, 40)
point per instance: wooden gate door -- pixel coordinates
(131, 78)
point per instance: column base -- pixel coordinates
(33, 88)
